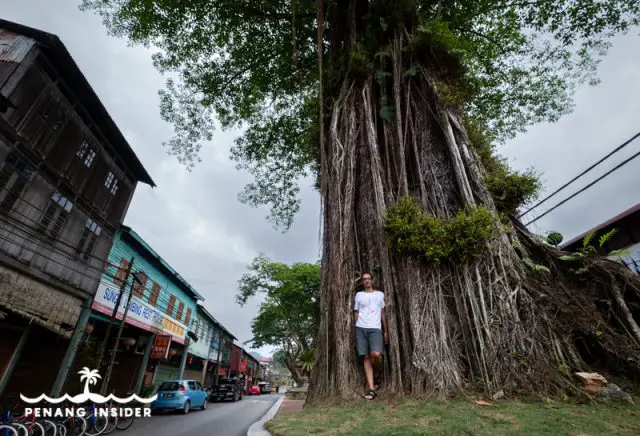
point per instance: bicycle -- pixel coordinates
(26, 422)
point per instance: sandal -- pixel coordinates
(372, 394)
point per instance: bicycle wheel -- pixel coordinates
(125, 423)
(112, 423)
(75, 427)
(96, 425)
(21, 428)
(35, 429)
(8, 430)
(50, 428)
(62, 430)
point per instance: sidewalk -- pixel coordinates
(290, 406)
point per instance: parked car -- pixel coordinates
(226, 389)
(254, 390)
(265, 388)
(180, 395)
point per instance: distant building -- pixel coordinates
(67, 176)
(210, 350)
(627, 237)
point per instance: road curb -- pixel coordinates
(257, 428)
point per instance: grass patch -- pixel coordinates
(460, 417)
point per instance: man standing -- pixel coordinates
(370, 338)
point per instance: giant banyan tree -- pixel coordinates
(396, 107)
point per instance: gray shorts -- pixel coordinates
(369, 340)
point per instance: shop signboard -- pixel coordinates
(161, 347)
(141, 314)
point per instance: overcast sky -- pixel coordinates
(194, 220)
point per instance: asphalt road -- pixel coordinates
(220, 419)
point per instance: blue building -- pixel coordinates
(159, 323)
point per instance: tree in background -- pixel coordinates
(396, 106)
(290, 313)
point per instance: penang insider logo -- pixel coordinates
(90, 377)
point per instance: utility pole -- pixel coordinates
(123, 286)
(218, 359)
(107, 376)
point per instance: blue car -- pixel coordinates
(180, 395)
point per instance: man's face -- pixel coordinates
(367, 280)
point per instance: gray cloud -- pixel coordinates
(194, 219)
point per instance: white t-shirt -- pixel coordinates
(369, 306)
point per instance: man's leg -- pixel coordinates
(362, 344)
(376, 345)
(368, 371)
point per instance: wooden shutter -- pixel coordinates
(140, 284)
(121, 273)
(188, 317)
(172, 302)
(25, 95)
(155, 293)
(180, 309)
(119, 204)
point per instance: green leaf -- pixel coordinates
(587, 239)
(387, 113)
(622, 252)
(411, 71)
(604, 238)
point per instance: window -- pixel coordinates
(121, 273)
(53, 113)
(111, 183)
(188, 317)
(180, 309)
(155, 293)
(172, 302)
(192, 386)
(86, 154)
(140, 284)
(14, 185)
(91, 233)
(57, 212)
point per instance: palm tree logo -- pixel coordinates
(90, 377)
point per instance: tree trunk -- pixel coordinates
(486, 323)
(292, 366)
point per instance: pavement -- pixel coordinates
(220, 419)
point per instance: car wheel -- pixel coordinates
(187, 407)
(241, 396)
(204, 404)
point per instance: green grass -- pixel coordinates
(460, 417)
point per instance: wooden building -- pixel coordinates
(67, 176)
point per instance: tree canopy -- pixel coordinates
(289, 315)
(254, 64)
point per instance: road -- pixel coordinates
(220, 419)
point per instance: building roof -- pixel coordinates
(206, 313)
(61, 59)
(162, 262)
(627, 223)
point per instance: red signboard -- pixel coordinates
(161, 347)
(243, 365)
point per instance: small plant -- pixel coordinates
(463, 237)
(554, 238)
(306, 360)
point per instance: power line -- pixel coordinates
(617, 149)
(626, 161)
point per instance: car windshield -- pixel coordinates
(169, 386)
(226, 381)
